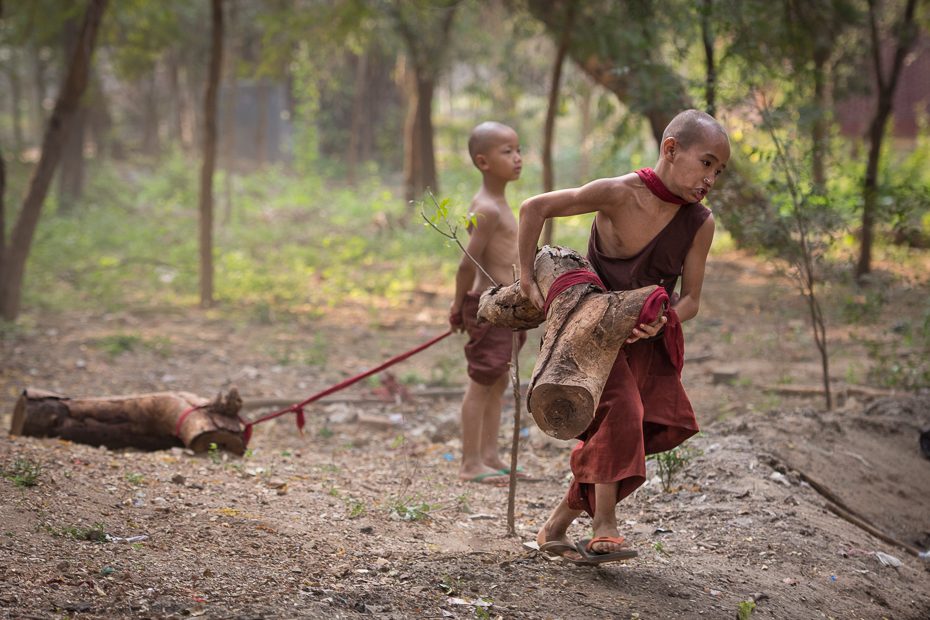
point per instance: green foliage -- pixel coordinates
(134, 478)
(900, 356)
(671, 463)
(214, 453)
(23, 473)
(413, 508)
(745, 610)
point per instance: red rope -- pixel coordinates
(177, 429)
(298, 408)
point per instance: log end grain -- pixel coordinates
(222, 439)
(561, 411)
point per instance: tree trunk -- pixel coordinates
(355, 129)
(144, 421)
(209, 157)
(548, 177)
(150, 141)
(71, 176)
(585, 329)
(13, 264)
(886, 89)
(175, 122)
(261, 126)
(707, 34)
(2, 209)
(38, 85)
(419, 160)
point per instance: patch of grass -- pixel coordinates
(134, 478)
(23, 473)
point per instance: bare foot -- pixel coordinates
(500, 465)
(607, 546)
(484, 475)
(566, 550)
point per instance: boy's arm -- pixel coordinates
(562, 203)
(486, 222)
(692, 277)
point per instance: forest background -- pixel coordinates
(301, 139)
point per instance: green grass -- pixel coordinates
(23, 473)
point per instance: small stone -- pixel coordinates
(178, 479)
(196, 485)
(276, 483)
(367, 530)
(63, 565)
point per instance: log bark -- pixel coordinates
(585, 330)
(144, 421)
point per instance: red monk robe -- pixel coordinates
(643, 408)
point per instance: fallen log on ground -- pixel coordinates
(146, 421)
(585, 329)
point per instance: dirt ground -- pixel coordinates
(363, 516)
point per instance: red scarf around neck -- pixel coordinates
(657, 187)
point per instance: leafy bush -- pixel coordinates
(672, 462)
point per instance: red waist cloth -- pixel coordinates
(643, 410)
(674, 336)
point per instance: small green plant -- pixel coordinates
(214, 453)
(408, 509)
(745, 610)
(660, 549)
(326, 432)
(672, 462)
(24, 473)
(355, 506)
(135, 478)
(482, 612)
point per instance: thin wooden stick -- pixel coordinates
(873, 531)
(515, 447)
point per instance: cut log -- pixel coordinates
(585, 329)
(144, 421)
(584, 333)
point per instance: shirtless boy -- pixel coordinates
(649, 228)
(495, 151)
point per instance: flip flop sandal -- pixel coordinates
(552, 546)
(593, 557)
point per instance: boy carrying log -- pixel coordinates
(650, 228)
(495, 151)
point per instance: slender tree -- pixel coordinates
(425, 32)
(886, 84)
(209, 156)
(3, 180)
(548, 177)
(13, 263)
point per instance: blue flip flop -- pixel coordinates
(495, 474)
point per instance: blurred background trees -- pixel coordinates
(337, 113)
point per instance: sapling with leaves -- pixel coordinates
(807, 219)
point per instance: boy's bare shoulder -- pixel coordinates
(486, 206)
(612, 190)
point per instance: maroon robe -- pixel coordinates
(643, 408)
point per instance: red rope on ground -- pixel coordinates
(298, 408)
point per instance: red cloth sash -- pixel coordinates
(570, 279)
(657, 187)
(674, 336)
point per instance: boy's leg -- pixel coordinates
(474, 406)
(556, 528)
(605, 518)
(491, 424)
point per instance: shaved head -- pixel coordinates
(484, 136)
(691, 127)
